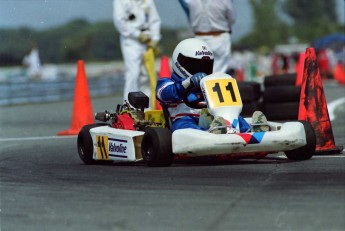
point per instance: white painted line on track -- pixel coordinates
(333, 105)
(331, 156)
(318, 157)
(36, 138)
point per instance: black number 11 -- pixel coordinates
(229, 88)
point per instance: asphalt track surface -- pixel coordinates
(45, 186)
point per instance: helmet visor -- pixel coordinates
(193, 66)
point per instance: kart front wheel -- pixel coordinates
(156, 147)
(85, 144)
(308, 150)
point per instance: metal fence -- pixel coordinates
(30, 91)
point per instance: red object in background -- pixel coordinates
(313, 106)
(300, 69)
(239, 75)
(275, 64)
(165, 68)
(339, 73)
(82, 108)
(323, 62)
(163, 73)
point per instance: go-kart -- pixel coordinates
(133, 134)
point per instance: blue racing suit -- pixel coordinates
(169, 92)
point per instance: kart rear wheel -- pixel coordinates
(156, 147)
(307, 151)
(85, 144)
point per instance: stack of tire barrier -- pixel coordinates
(251, 97)
(281, 97)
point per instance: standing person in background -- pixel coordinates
(32, 62)
(139, 26)
(211, 21)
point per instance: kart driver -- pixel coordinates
(192, 60)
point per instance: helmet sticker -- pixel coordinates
(203, 53)
(181, 69)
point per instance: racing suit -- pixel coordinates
(33, 63)
(211, 21)
(170, 91)
(133, 18)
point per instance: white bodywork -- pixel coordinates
(125, 145)
(116, 144)
(198, 143)
(223, 99)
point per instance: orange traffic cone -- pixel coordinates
(82, 108)
(300, 68)
(165, 68)
(163, 73)
(313, 106)
(339, 73)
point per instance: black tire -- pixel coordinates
(307, 151)
(246, 91)
(281, 111)
(281, 94)
(280, 80)
(249, 108)
(256, 90)
(85, 144)
(156, 147)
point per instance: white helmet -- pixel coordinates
(192, 56)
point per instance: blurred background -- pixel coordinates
(267, 37)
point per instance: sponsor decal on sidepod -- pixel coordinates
(117, 148)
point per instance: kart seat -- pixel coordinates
(166, 116)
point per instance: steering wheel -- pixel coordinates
(197, 104)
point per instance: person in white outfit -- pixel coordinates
(32, 63)
(212, 22)
(139, 26)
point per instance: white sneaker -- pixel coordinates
(218, 126)
(259, 122)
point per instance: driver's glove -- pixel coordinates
(195, 79)
(144, 37)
